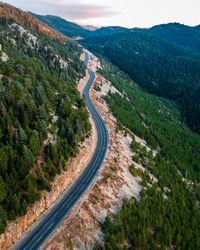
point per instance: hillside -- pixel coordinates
(42, 116)
(9, 12)
(186, 36)
(156, 65)
(67, 28)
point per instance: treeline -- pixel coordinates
(158, 66)
(42, 116)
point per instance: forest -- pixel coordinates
(42, 116)
(157, 120)
(167, 214)
(158, 66)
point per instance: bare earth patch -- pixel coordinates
(83, 82)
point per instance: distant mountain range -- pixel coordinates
(69, 29)
(164, 59)
(74, 30)
(186, 36)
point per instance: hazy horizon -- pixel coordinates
(129, 13)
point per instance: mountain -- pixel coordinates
(89, 27)
(110, 30)
(67, 28)
(186, 36)
(156, 65)
(74, 30)
(179, 34)
(42, 116)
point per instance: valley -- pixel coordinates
(99, 134)
(131, 170)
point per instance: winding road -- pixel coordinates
(40, 232)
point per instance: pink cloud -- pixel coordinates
(64, 8)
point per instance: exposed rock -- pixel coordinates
(105, 86)
(31, 39)
(4, 57)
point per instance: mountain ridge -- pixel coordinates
(180, 34)
(8, 11)
(68, 28)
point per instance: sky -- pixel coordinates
(127, 13)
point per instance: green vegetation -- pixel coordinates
(155, 222)
(42, 116)
(158, 121)
(156, 65)
(167, 214)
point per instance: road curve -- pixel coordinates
(37, 236)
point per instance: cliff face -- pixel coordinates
(15, 230)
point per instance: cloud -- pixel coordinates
(74, 10)
(85, 11)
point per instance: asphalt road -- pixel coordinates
(37, 236)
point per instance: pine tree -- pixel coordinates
(3, 192)
(23, 139)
